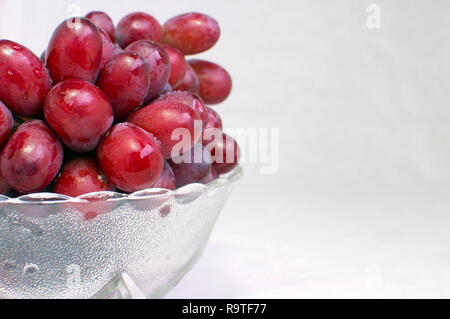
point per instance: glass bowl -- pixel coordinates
(106, 245)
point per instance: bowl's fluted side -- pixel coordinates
(153, 236)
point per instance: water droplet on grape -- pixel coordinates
(37, 73)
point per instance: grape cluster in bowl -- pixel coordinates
(99, 111)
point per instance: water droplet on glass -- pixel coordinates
(30, 269)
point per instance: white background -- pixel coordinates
(360, 205)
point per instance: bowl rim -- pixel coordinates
(37, 199)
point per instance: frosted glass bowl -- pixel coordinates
(106, 245)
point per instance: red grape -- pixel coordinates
(163, 118)
(117, 49)
(215, 82)
(79, 113)
(138, 26)
(24, 79)
(167, 89)
(125, 80)
(159, 63)
(108, 48)
(32, 158)
(215, 121)
(225, 153)
(4, 188)
(81, 176)
(193, 167)
(211, 177)
(130, 158)
(178, 65)
(6, 123)
(190, 82)
(75, 51)
(167, 179)
(102, 21)
(190, 99)
(134, 64)
(191, 33)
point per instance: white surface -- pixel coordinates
(384, 241)
(360, 205)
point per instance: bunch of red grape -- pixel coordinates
(99, 110)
